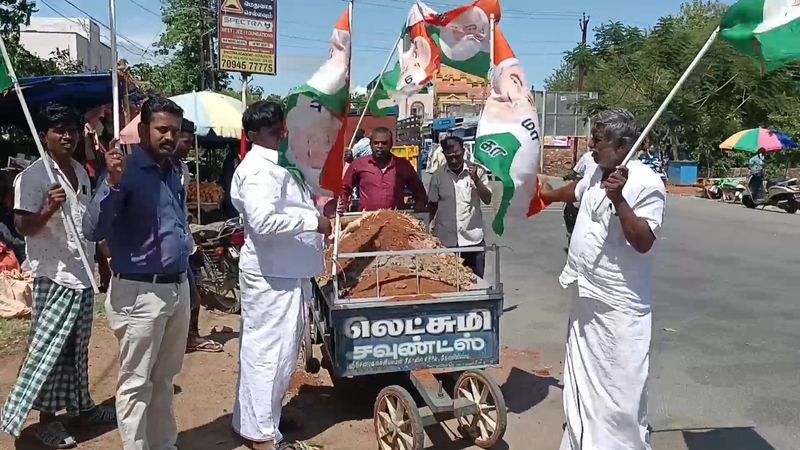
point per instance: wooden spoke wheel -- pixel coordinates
(398, 425)
(311, 364)
(488, 426)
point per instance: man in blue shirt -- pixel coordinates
(139, 210)
(757, 164)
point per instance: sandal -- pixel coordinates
(54, 435)
(206, 346)
(100, 415)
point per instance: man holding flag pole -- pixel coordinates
(54, 374)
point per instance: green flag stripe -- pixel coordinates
(336, 103)
(5, 78)
(496, 152)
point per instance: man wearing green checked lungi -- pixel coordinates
(55, 374)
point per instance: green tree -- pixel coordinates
(635, 70)
(254, 94)
(565, 78)
(13, 15)
(185, 44)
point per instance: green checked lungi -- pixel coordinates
(55, 373)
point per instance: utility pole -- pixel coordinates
(202, 46)
(584, 23)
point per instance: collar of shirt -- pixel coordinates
(461, 172)
(269, 154)
(388, 166)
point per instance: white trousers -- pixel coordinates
(273, 317)
(151, 322)
(605, 378)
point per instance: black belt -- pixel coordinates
(156, 278)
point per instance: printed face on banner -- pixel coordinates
(414, 64)
(332, 76)
(312, 131)
(511, 96)
(466, 35)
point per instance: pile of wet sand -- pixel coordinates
(393, 276)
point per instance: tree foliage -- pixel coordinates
(183, 44)
(13, 15)
(635, 69)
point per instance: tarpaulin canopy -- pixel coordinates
(82, 91)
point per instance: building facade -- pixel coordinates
(79, 37)
(458, 94)
(419, 105)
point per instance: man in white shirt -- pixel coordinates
(455, 194)
(436, 158)
(282, 250)
(611, 258)
(584, 166)
(55, 373)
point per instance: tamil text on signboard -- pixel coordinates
(436, 340)
(247, 36)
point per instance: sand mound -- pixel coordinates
(392, 276)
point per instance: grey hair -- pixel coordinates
(618, 126)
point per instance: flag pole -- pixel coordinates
(374, 89)
(671, 95)
(667, 101)
(337, 223)
(69, 223)
(114, 69)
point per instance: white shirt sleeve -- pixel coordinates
(582, 186)
(28, 193)
(650, 206)
(261, 198)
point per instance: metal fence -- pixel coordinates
(560, 113)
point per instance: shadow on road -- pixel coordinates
(523, 390)
(81, 433)
(734, 438)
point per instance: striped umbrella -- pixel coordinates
(756, 138)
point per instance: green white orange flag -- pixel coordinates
(463, 36)
(767, 30)
(382, 102)
(508, 140)
(316, 119)
(420, 57)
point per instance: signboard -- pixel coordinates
(558, 141)
(248, 36)
(427, 339)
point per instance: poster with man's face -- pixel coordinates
(511, 95)
(415, 63)
(312, 132)
(466, 35)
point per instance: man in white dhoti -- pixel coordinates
(282, 250)
(611, 257)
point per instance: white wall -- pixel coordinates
(80, 36)
(426, 100)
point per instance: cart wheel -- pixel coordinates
(398, 425)
(488, 427)
(311, 364)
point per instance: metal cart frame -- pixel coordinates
(451, 333)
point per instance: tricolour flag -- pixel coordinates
(383, 102)
(316, 119)
(463, 36)
(768, 30)
(509, 139)
(420, 57)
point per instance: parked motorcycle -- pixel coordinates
(785, 194)
(217, 263)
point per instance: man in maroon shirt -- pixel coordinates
(382, 178)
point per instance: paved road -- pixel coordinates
(726, 341)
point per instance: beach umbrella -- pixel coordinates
(756, 138)
(213, 114)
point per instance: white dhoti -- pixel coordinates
(605, 378)
(273, 317)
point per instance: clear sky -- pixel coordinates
(538, 31)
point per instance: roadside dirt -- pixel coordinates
(337, 417)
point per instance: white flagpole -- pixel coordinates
(374, 89)
(69, 223)
(114, 69)
(671, 95)
(667, 101)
